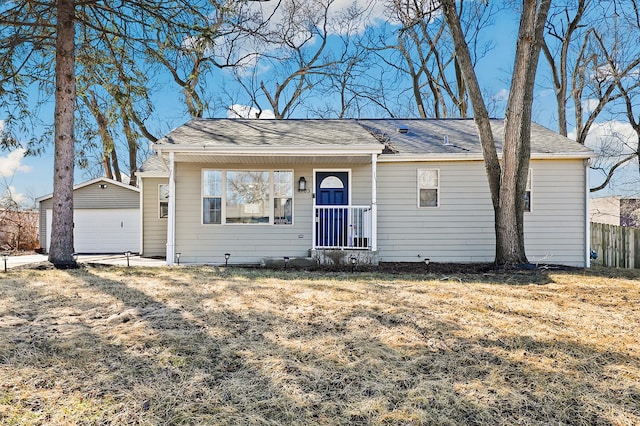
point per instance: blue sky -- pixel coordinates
(31, 177)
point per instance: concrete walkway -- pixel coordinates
(102, 259)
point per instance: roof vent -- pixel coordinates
(403, 129)
(446, 140)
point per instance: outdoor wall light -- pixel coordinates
(5, 257)
(127, 254)
(286, 261)
(302, 184)
(178, 257)
(226, 258)
(354, 261)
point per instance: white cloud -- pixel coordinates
(245, 111)
(297, 21)
(12, 194)
(613, 141)
(502, 95)
(12, 163)
(610, 138)
(589, 105)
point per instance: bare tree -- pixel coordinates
(305, 42)
(563, 28)
(592, 51)
(625, 149)
(421, 52)
(507, 182)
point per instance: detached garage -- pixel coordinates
(106, 217)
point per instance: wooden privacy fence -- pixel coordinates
(616, 246)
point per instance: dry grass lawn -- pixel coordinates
(204, 345)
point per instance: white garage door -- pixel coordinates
(103, 230)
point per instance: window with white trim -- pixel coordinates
(163, 201)
(212, 196)
(247, 197)
(527, 194)
(282, 197)
(428, 188)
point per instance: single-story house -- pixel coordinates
(386, 190)
(106, 217)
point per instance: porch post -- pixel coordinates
(374, 202)
(171, 220)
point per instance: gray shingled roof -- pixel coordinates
(427, 136)
(154, 163)
(423, 136)
(229, 133)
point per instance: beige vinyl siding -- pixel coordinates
(461, 229)
(154, 229)
(250, 243)
(93, 197)
(555, 227)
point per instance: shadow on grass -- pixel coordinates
(218, 346)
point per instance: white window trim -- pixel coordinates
(202, 197)
(272, 201)
(418, 188)
(529, 188)
(223, 202)
(163, 200)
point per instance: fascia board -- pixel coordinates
(153, 174)
(91, 182)
(274, 150)
(393, 158)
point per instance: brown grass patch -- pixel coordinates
(203, 345)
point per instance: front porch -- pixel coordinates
(272, 207)
(343, 227)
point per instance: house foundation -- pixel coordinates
(336, 257)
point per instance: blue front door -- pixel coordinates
(332, 189)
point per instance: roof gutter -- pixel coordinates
(273, 150)
(154, 174)
(398, 158)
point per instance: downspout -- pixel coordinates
(171, 220)
(587, 226)
(140, 180)
(313, 212)
(374, 203)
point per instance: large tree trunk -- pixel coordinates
(133, 148)
(507, 183)
(61, 247)
(517, 134)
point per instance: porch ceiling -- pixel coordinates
(256, 160)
